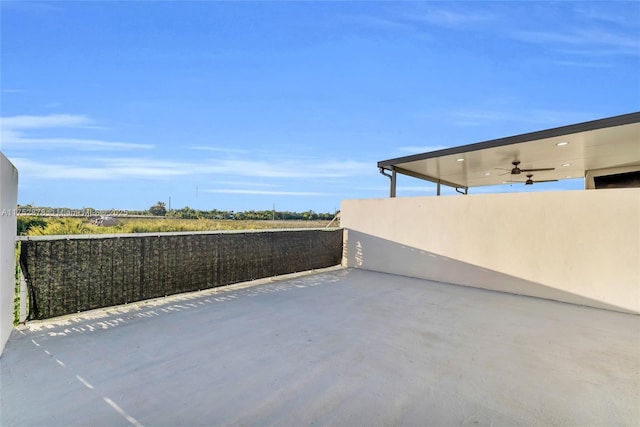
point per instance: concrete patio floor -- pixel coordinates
(341, 347)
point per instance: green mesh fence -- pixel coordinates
(70, 274)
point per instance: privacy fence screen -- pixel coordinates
(68, 274)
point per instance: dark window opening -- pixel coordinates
(619, 180)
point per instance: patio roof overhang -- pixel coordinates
(572, 151)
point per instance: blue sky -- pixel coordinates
(243, 105)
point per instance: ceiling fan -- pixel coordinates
(530, 181)
(517, 171)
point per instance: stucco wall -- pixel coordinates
(581, 247)
(8, 201)
(67, 274)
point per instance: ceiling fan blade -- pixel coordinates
(537, 170)
(546, 180)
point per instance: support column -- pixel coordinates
(392, 191)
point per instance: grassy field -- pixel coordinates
(39, 226)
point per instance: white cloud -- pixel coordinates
(449, 18)
(308, 168)
(588, 32)
(33, 169)
(420, 19)
(219, 149)
(14, 133)
(242, 183)
(75, 143)
(145, 168)
(100, 170)
(377, 22)
(50, 121)
(596, 38)
(266, 192)
(592, 11)
(481, 117)
(584, 64)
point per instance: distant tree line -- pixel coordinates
(160, 209)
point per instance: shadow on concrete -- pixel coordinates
(87, 322)
(362, 250)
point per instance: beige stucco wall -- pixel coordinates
(581, 247)
(8, 200)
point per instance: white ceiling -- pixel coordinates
(606, 143)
